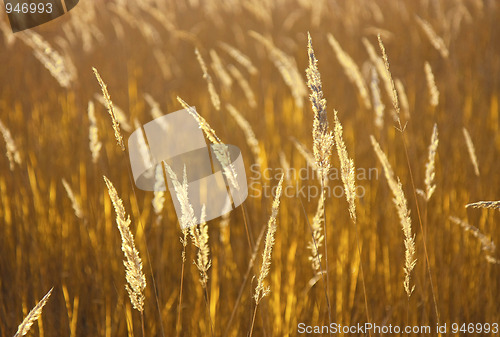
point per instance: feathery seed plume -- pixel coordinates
(74, 202)
(472, 151)
(377, 100)
(199, 235)
(431, 84)
(154, 106)
(348, 171)
(188, 219)
(214, 97)
(322, 137)
(287, 67)
(133, 264)
(239, 57)
(351, 70)
(109, 105)
(436, 41)
(33, 315)
(244, 85)
(95, 144)
(379, 66)
(119, 113)
(59, 67)
(219, 70)
(12, 153)
(159, 195)
(260, 290)
(395, 101)
(403, 213)
(430, 166)
(221, 150)
(403, 99)
(485, 204)
(250, 137)
(308, 156)
(487, 245)
(317, 237)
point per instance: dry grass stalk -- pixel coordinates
(403, 99)
(214, 97)
(77, 207)
(199, 234)
(133, 264)
(403, 213)
(317, 237)
(119, 113)
(33, 315)
(378, 106)
(260, 11)
(472, 151)
(239, 57)
(431, 84)
(285, 165)
(261, 290)
(158, 201)
(380, 66)
(49, 58)
(487, 245)
(219, 70)
(111, 111)
(95, 144)
(348, 171)
(154, 106)
(485, 204)
(287, 67)
(430, 167)
(308, 156)
(243, 83)
(207, 129)
(404, 216)
(250, 137)
(351, 70)
(188, 219)
(394, 93)
(436, 41)
(322, 137)
(221, 150)
(12, 152)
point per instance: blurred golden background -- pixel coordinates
(256, 55)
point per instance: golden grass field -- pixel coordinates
(147, 50)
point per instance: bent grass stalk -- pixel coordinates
(485, 204)
(133, 264)
(199, 235)
(487, 245)
(111, 111)
(261, 290)
(33, 315)
(348, 175)
(472, 151)
(403, 213)
(186, 221)
(322, 140)
(395, 103)
(12, 153)
(223, 156)
(214, 97)
(95, 144)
